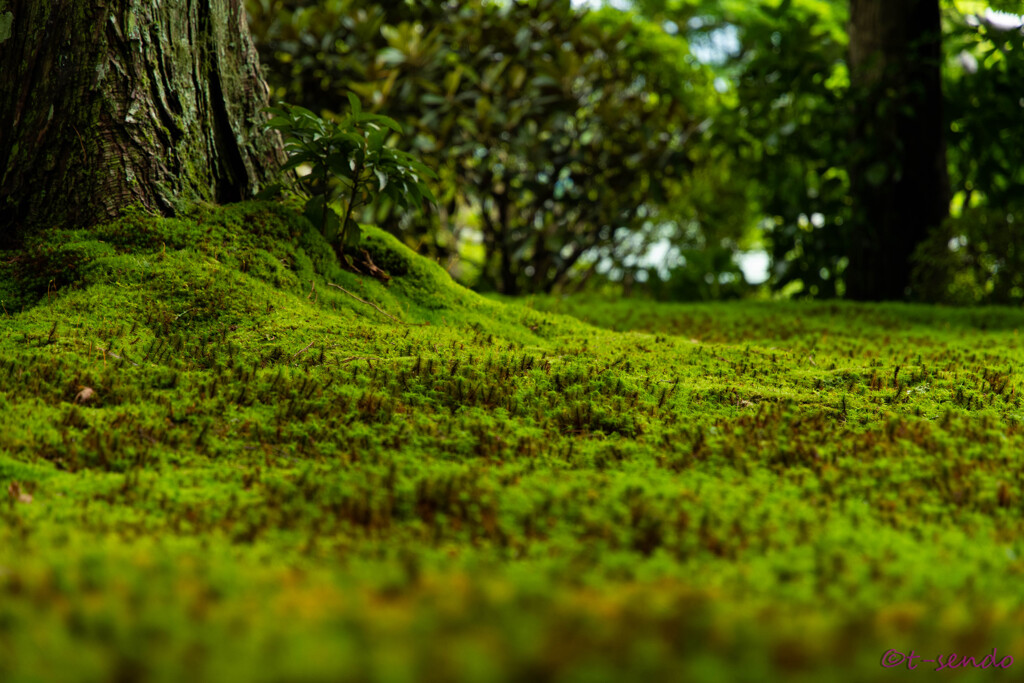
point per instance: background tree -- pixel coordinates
(979, 256)
(105, 105)
(791, 116)
(785, 145)
(566, 139)
(899, 180)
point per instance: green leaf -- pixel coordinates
(432, 99)
(389, 122)
(392, 192)
(301, 114)
(270, 192)
(381, 178)
(354, 103)
(426, 191)
(353, 233)
(346, 140)
(412, 194)
(279, 123)
(390, 57)
(377, 140)
(341, 165)
(322, 217)
(301, 158)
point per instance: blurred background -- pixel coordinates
(673, 149)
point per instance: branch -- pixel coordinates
(563, 270)
(303, 349)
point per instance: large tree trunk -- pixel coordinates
(898, 177)
(126, 102)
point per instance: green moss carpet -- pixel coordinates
(223, 458)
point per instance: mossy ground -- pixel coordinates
(275, 482)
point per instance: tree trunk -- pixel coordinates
(104, 105)
(898, 176)
(509, 282)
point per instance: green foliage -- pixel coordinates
(792, 119)
(785, 124)
(349, 159)
(562, 134)
(316, 51)
(979, 255)
(550, 146)
(977, 258)
(789, 119)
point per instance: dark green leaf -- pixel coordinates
(353, 102)
(353, 234)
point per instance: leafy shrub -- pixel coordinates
(348, 160)
(977, 258)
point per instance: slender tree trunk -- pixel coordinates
(899, 178)
(509, 283)
(126, 102)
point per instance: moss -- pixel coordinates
(6, 21)
(275, 481)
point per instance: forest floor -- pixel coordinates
(216, 466)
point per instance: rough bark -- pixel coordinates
(899, 177)
(109, 104)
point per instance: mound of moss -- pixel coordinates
(226, 458)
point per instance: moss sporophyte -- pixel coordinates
(271, 478)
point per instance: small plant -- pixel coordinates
(349, 161)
